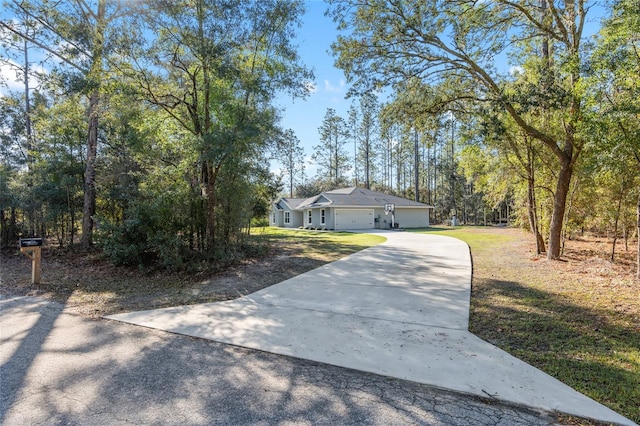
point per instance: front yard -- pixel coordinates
(577, 319)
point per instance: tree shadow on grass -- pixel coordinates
(594, 350)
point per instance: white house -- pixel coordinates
(349, 208)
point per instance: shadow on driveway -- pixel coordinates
(59, 368)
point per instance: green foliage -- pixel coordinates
(291, 155)
(179, 100)
(152, 231)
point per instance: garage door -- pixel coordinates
(354, 219)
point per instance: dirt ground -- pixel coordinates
(91, 286)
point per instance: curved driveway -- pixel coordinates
(399, 309)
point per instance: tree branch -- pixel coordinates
(44, 47)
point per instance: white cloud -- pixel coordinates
(516, 69)
(328, 87)
(11, 77)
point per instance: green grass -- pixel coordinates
(558, 316)
(321, 245)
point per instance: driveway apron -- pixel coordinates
(399, 309)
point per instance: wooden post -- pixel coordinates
(35, 254)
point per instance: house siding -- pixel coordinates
(412, 218)
(345, 219)
(296, 219)
(277, 218)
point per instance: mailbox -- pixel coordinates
(30, 242)
(32, 248)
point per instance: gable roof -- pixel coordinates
(355, 197)
(290, 203)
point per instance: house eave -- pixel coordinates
(377, 206)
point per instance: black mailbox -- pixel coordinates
(30, 242)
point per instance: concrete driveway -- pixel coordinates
(58, 368)
(399, 309)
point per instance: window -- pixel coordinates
(273, 218)
(322, 217)
(287, 217)
(309, 217)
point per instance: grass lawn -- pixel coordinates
(578, 319)
(320, 245)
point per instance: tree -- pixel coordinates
(79, 35)
(13, 157)
(291, 156)
(354, 132)
(369, 111)
(331, 154)
(390, 42)
(519, 157)
(214, 67)
(615, 106)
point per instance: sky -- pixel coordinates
(304, 116)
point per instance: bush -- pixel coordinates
(125, 244)
(149, 236)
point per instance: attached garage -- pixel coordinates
(353, 219)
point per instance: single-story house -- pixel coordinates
(349, 208)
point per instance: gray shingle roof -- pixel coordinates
(354, 197)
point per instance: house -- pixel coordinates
(349, 208)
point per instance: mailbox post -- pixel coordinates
(32, 248)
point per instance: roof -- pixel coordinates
(292, 203)
(351, 197)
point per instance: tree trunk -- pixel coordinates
(638, 237)
(95, 77)
(89, 207)
(559, 206)
(616, 222)
(533, 216)
(291, 183)
(417, 168)
(4, 231)
(208, 175)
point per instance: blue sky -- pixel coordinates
(304, 116)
